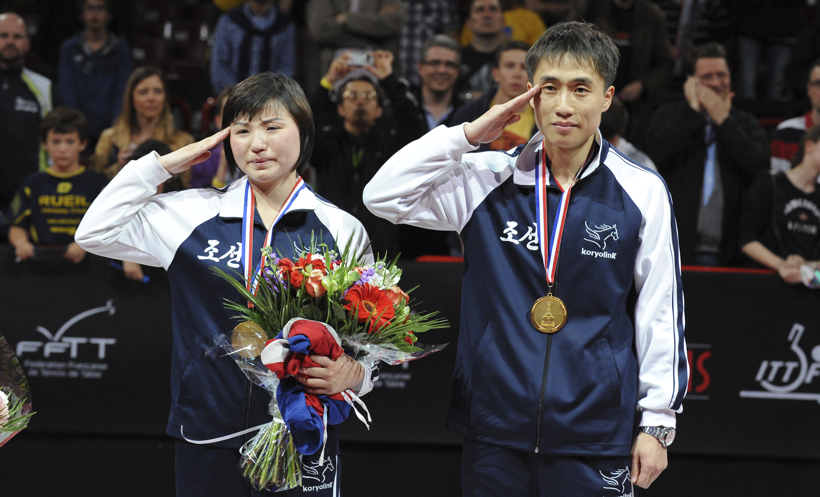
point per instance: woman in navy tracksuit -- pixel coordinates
(270, 138)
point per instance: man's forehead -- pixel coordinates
(12, 23)
(442, 53)
(515, 54)
(568, 68)
(359, 85)
(711, 64)
(485, 3)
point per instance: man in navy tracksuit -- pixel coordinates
(572, 361)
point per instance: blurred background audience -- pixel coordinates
(713, 137)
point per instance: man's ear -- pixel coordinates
(339, 109)
(610, 92)
(83, 145)
(378, 111)
(495, 74)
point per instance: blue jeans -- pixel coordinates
(777, 58)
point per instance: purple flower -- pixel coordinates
(270, 276)
(366, 276)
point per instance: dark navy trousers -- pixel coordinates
(492, 471)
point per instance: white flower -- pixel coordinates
(4, 408)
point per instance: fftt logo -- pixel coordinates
(781, 378)
(59, 344)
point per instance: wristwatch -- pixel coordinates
(664, 435)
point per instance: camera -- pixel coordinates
(360, 59)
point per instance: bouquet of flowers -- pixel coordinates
(15, 408)
(325, 303)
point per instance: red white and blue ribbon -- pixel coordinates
(550, 247)
(251, 276)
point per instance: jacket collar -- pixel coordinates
(233, 203)
(530, 155)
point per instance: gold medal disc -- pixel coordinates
(248, 339)
(549, 314)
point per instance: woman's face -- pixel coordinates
(149, 97)
(268, 147)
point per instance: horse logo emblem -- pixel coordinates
(600, 234)
(317, 472)
(617, 480)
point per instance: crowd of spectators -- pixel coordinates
(381, 73)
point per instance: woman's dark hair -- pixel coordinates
(812, 135)
(250, 98)
(578, 42)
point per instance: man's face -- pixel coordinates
(486, 18)
(359, 105)
(14, 43)
(439, 70)
(713, 73)
(511, 73)
(568, 109)
(95, 15)
(813, 88)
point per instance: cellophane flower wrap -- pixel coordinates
(360, 305)
(15, 399)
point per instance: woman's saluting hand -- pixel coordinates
(182, 159)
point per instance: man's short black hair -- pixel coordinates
(106, 2)
(579, 42)
(506, 47)
(64, 120)
(614, 120)
(815, 63)
(710, 50)
(250, 98)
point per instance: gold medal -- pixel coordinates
(548, 314)
(248, 339)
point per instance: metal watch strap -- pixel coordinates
(657, 432)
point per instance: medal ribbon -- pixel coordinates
(550, 253)
(251, 277)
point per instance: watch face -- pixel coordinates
(669, 436)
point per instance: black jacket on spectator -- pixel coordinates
(675, 142)
(20, 116)
(339, 181)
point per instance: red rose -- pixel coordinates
(395, 294)
(410, 338)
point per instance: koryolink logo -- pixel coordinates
(598, 236)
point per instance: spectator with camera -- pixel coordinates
(371, 118)
(340, 26)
